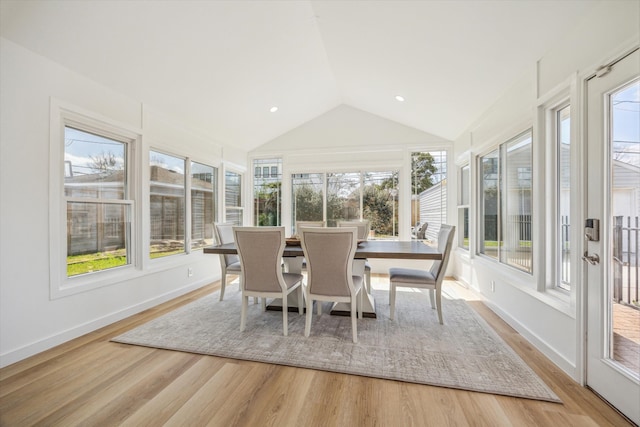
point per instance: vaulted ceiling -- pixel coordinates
(221, 65)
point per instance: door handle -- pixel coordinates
(591, 259)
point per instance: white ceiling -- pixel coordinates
(221, 65)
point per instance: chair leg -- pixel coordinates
(264, 304)
(285, 313)
(354, 321)
(243, 312)
(300, 300)
(439, 304)
(367, 280)
(223, 284)
(307, 322)
(360, 303)
(392, 300)
(432, 297)
(319, 306)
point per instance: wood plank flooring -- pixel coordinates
(93, 382)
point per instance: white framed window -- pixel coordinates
(428, 192)
(464, 202)
(93, 200)
(182, 204)
(204, 200)
(504, 201)
(167, 204)
(267, 193)
(335, 196)
(233, 205)
(562, 143)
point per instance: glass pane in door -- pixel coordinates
(625, 206)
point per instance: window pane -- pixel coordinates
(463, 225)
(464, 185)
(233, 198)
(516, 240)
(267, 200)
(167, 204)
(265, 171)
(203, 204)
(429, 191)
(489, 204)
(563, 121)
(380, 203)
(97, 235)
(463, 209)
(308, 194)
(97, 232)
(258, 172)
(343, 197)
(94, 166)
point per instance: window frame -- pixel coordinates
(547, 111)
(258, 163)
(186, 196)
(241, 207)
(464, 206)
(395, 174)
(502, 179)
(64, 115)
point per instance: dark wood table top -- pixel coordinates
(395, 249)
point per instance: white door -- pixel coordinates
(613, 161)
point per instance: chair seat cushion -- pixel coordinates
(234, 267)
(291, 279)
(410, 275)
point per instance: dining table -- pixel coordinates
(293, 257)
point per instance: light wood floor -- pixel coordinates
(91, 381)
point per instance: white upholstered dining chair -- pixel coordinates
(229, 264)
(330, 253)
(260, 251)
(300, 224)
(363, 234)
(425, 279)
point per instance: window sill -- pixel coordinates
(88, 282)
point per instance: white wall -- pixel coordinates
(349, 139)
(29, 320)
(551, 324)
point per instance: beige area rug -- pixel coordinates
(464, 353)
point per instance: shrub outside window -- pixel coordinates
(267, 193)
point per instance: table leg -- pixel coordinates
(368, 302)
(291, 265)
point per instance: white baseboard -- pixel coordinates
(559, 360)
(29, 350)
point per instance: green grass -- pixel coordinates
(88, 263)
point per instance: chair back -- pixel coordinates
(445, 243)
(422, 229)
(224, 234)
(329, 253)
(300, 224)
(260, 250)
(363, 227)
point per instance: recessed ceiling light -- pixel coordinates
(399, 98)
(273, 109)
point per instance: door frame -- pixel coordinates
(582, 293)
